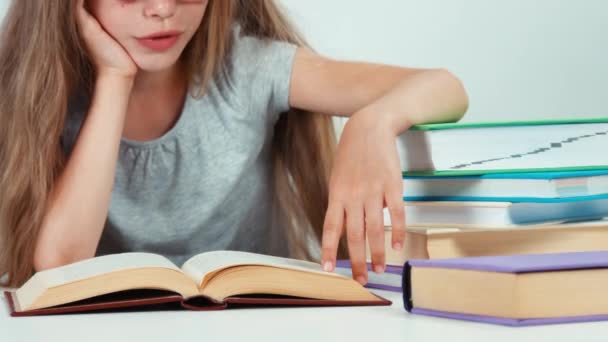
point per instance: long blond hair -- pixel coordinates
(43, 62)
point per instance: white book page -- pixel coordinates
(85, 269)
(203, 266)
(545, 146)
(100, 265)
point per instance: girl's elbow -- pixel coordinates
(48, 254)
(456, 87)
(53, 259)
(47, 257)
(464, 105)
(44, 260)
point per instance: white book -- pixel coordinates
(508, 146)
(497, 214)
(512, 187)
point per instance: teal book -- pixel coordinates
(457, 149)
(493, 215)
(508, 187)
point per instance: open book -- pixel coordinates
(208, 281)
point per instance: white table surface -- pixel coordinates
(282, 324)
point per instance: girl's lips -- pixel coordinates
(159, 42)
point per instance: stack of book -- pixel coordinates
(501, 189)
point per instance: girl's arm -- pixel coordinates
(78, 205)
(414, 96)
(382, 101)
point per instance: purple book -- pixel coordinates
(390, 280)
(508, 264)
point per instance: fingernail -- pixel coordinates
(397, 246)
(361, 280)
(379, 269)
(327, 266)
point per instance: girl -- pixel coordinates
(181, 126)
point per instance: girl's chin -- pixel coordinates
(155, 64)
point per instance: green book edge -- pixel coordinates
(456, 125)
(485, 172)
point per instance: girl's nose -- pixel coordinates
(159, 8)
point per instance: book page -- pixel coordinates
(549, 146)
(100, 265)
(201, 267)
(70, 275)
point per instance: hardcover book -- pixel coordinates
(510, 187)
(457, 243)
(208, 281)
(390, 280)
(479, 214)
(513, 290)
(499, 147)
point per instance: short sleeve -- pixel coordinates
(261, 73)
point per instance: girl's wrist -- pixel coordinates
(113, 92)
(373, 119)
(114, 83)
(115, 77)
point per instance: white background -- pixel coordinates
(519, 59)
(3, 6)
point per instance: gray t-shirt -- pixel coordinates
(207, 183)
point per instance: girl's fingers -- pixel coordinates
(332, 230)
(394, 203)
(355, 235)
(374, 227)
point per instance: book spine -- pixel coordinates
(563, 199)
(406, 282)
(383, 287)
(391, 269)
(444, 173)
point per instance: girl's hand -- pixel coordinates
(366, 177)
(106, 53)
